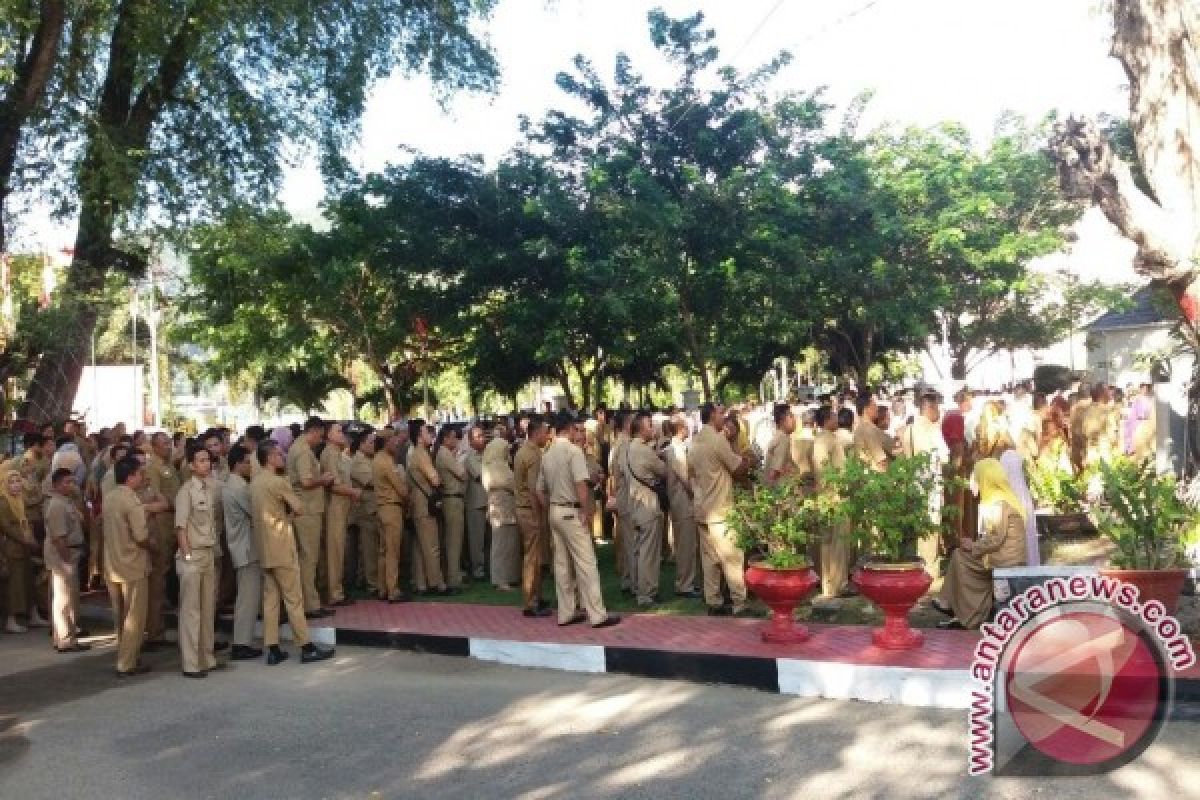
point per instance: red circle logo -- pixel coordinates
(1085, 688)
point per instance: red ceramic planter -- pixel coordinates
(1163, 585)
(895, 589)
(782, 590)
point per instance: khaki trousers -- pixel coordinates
(622, 536)
(197, 608)
(430, 552)
(129, 619)
(476, 535)
(646, 556)
(94, 530)
(160, 564)
(249, 602)
(391, 540)
(283, 584)
(20, 584)
(64, 595)
(506, 555)
(687, 550)
(576, 579)
(368, 550)
(834, 560)
(722, 558)
(529, 524)
(336, 517)
(453, 523)
(308, 550)
(928, 551)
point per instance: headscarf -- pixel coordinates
(15, 503)
(1014, 468)
(282, 436)
(994, 487)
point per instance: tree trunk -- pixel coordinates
(692, 341)
(1158, 43)
(56, 379)
(958, 365)
(25, 93)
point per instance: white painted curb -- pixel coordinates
(908, 686)
(568, 657)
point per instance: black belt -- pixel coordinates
(452, 495)
(527, 508)
(567, 505)
(367, 487)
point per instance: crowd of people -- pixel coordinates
(284, 524)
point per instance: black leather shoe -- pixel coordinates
(720, 611)
(692, 595)
(155, 644)
(82, 632)
(952, 625)
(575, 620)
(345, 601)
(403, 597)
(201, 674)
(219, 646)
(74, 648)
(140, 669)
(243, 652)
(937, 606)
(748, 613)
(313, 653)
(537, 612)
(608, 622)
(276, 656)
(446, 591)
(320, 613)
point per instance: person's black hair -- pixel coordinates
(863, 403)
(193, 451)
(296, 430)
(927, 400)
(639, 416)
(563, 421)
(60, 441)
(237, 454)
(845, 418)
(59, 474)
(314, 422)
(822, 415)
(32, 439)
(536, 423)
(256, 432)
(414, 429)
(706, 412)
(124, 468)
(780, 413)
(264, 450)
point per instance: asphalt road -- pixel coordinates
(386, 724)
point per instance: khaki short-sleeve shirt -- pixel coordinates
(196, 511)
(302, 466)
(124, 529)
(562, 466)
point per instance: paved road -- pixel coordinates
(386, 724)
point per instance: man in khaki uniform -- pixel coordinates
(802, 448)
(127, 546)
(563, 488)
(870, 444)
(364, 516)
(502, 511)
(34, 466)
(476, 502)
(62, 550)
(273, 504)
(391, 493)
(683, 515)
(924, 436)
(1097, 428)
(712, 466)
(309, 483)
(1082, 400)
(779, 463)
(619, 489)
(834, 550)
(238, 513)
(163, 476)
(197, 512)
(424, 483)
(335, 461)
(526, 465)
(453, 474)
(643, 471)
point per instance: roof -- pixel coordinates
(1147, 311)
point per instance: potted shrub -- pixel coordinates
(1143, 514)
(773, 524)
(887, 512)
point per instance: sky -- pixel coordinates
(926, 60)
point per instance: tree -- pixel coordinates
(33, 33)
(674, 169)
(192, 103)
(1158, 44)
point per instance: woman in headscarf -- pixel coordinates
(19, 546)
(282, 436)
(967, 591)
